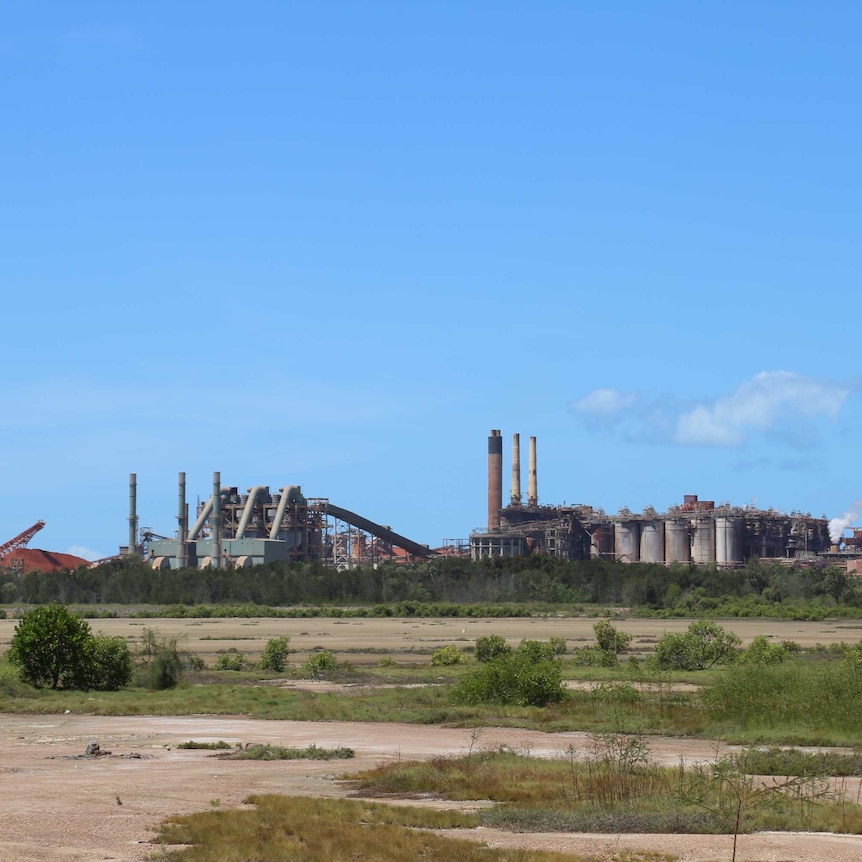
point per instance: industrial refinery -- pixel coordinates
(266, 524)
(696, 532)
(233, 529)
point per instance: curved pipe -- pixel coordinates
(253, 494)
(205, 513)
(289, 494)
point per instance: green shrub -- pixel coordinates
(515, 679)
(231, 659)
(594, 657)
(274, 656)
(108, 665)
(490, 647)
(319, 664)
(761, 651)
(609, 638)
(704, 644)
(160, 662)
(447, 656)
(536, 650)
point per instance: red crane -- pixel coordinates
(20, 540)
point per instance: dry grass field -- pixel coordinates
(364, 641)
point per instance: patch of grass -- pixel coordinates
(260, 751)
(791, 761)
(615, 790)
(295, 829)
(221, 745)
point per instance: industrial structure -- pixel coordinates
(15, 556)
(696, 532)
(245, 529)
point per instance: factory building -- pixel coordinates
(237, 530)
(697, 532)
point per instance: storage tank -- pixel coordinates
(728, 540)
(627, 541)
(703, 541)
(602, 542)
(677, 540)
(652, 542)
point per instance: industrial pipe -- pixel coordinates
(289, 494)
(495, 480)
(533, 486)
(516, 470)
(253, 494)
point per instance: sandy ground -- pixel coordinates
(364, 641)
(54, 806)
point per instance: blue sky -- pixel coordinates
(335, 243)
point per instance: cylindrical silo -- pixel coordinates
(652, 542)
(627, 541)
(602, 542)
(703, 541)
(677, 540)
(728, 540)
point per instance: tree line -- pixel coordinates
(756, 589)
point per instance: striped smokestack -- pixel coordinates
(495, 479)
(516, 470)
(533, 487)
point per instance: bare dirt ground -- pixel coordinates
(56, 806)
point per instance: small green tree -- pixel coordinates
(50, 647)
(704, 644)
(609, 638)
(274, 656)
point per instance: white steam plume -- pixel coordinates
(837, 526)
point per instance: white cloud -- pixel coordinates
(758, 405)
(604, 403)
(782, 404)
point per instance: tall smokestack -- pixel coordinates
(216, 522)
(495, 480)
(183, 522)
(532, 487)
(133, 513)
(516, 470)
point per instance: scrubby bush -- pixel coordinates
(160, 662)
(319, 664)
(515, 679)
(609, 638)
(490, 647)
(108, 665)
(274, 656)
(231, 659)
(761, 651)
(447, 656)
(536, 650)
(704, 644)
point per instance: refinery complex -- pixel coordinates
(264, 524)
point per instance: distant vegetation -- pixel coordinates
(446, 587)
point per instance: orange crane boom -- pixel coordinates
(20, 540)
